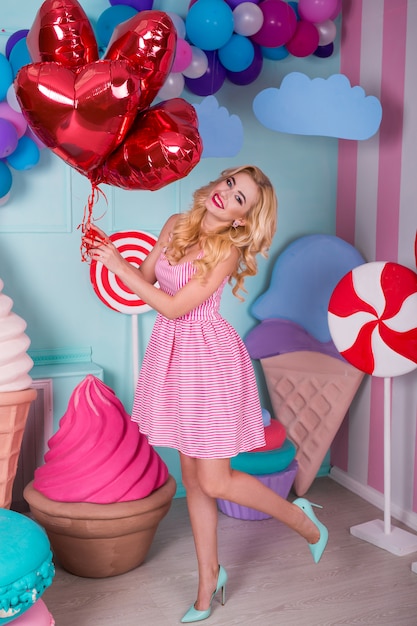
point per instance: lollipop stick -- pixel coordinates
(135, 349)
(382, 534)
(387, 455)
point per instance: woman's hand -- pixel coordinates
(99, 247)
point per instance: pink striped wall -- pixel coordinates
(377, 212)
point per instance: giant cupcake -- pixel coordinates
(16, 395)
(103, 489)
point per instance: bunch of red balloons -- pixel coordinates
(96, 114)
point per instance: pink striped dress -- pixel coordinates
(197, 390)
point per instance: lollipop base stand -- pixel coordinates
(397, 541)
(383, 534)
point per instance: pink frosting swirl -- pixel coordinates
(98, 454)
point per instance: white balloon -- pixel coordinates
(248, 18)
(327, 32)
(12, 100)
(178, 23)
(172, 87)
(198, 65)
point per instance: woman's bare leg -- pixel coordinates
(218, 480)
(203, 516)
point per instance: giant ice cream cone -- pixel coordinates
(311, 393)
(14, 409)
(15, 393)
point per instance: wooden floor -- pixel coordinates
(272, 578)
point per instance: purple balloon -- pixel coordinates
(13, 39)
(213, 78)
(251, 73)
(8, 138)
(323, 52)
(139, 5)
(233, 3)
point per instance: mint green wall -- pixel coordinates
(40, 261)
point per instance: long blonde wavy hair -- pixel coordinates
(254, 237)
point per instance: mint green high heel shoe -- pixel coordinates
(316, 549)
(193, 615)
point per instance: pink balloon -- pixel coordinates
(183, 56)
(279, 24)
(305, 40)
(317, 10)
(337, 10)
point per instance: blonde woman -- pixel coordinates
(197, 391)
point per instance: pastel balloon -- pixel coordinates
(19, 56)
(275, 54)
(178, 23)
(248, 76)
(147, 41)
(162, 146)
(213, 78)
(12, 100)
(6, 76)
(248, 18)
(198, 65)
(173, 86)
(109, 19)
(278, 25)
(237, 54)
(14, 38)
(61, 32)
(25, 156)
(8, 138)
(317, 10)
(234, 3)
(183, 56)
(323, 52)
(305, 39)
(337, 10)
(15, 117)
(6, 179)
(327, 32)
(209, 24)
(139, 5)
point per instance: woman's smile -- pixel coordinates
(217, 200)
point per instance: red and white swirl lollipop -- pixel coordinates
(134, 246)
(372, 317)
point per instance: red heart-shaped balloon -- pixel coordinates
(162, 146)
(62, 33)
(147, 40)
(81, 116)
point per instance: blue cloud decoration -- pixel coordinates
(328, 107)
